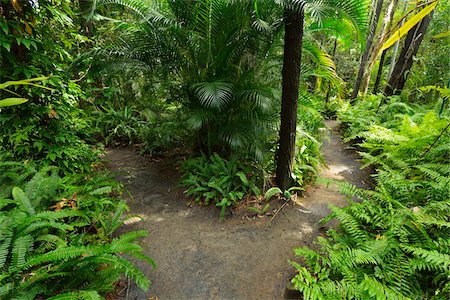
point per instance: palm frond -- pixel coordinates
(216, 94)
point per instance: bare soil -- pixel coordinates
(199, 257)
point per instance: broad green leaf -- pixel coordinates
(5, 45)
(26, 43)
(243, 178)
(12, 101)
(272, 192)
(296, 188)
(408, 25)
(25, 82)
(5, 27)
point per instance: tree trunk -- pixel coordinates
(386, 24)
(380, 71)
(397, 44)
(289, 99)
(327, 97)
(405, 59)
(369, 41)
(394, 55)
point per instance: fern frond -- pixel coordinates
(23, 201)
(433, 257)
(376, 289)
(4, 250)
(84, 295)
(22, 245)
(124, 266)
(349, 224)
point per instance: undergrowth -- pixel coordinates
(219, 181)
(396, 243)
(225, 182)
(154, 129)
(56, 235)
(383, 249)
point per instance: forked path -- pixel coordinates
(200, 258)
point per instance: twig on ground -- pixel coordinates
(128, 288)
(276, 213)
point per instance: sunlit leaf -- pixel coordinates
(409, 25)
(12, 101)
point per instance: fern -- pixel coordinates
(23, 200)
(22, 245)
(225, 182)
(42, 253)
(383, 249)
(395, 243)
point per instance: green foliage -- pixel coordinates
(409, 146)
(395, 244)
(219, 74)
(383, 249)
(260, 210)
(155, 128)
(277, 191)
(50, 128)
(431, 62)
(219, 181)
(52, 247)
(310, 129)
(166, 128)
(49, 135)
(17, 100)
(119, 126)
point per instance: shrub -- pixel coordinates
(382, 249)
(395, 244)
(119, 126)
(50, 129)
(310, 126)
(61, 247)
(220, 181)
(166, 129)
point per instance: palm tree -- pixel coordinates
(225, 73)
(294, 14)
(222, 71)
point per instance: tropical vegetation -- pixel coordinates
(238, 92)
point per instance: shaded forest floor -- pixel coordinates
(199, 257)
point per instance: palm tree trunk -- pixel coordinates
(289, 99)
(369, 41)
(380, 71)
(405, 59)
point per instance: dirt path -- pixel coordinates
(200, 258)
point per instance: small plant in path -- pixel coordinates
(220, 181)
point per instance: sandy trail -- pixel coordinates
(200, 258)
